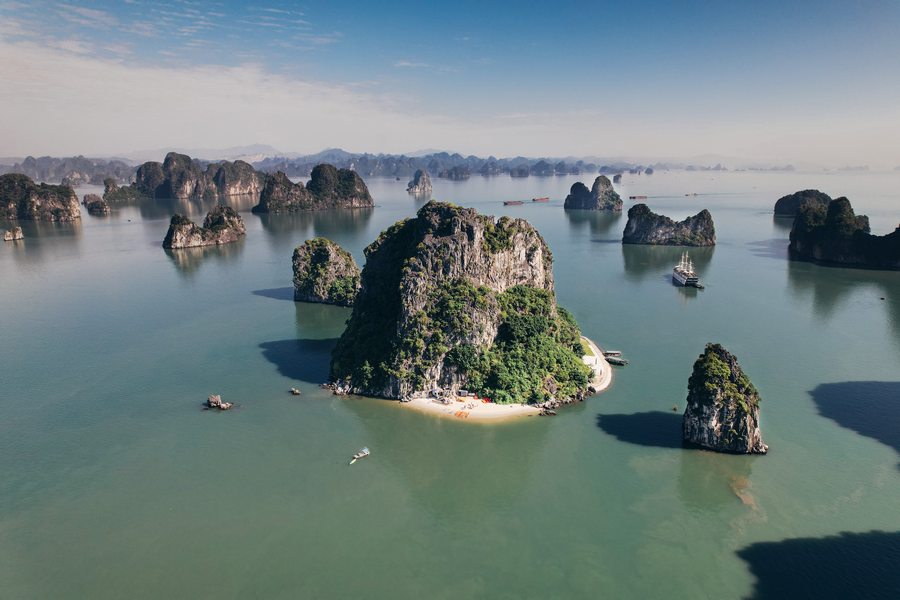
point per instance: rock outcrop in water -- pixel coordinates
(420, 184)
(23, 199)
(457, 173)
(452, 299)
(836, 235)
(13, 234)
(222, 225)
(722, 411)
(95, 205)
(789, 206)
(600, 197)
(324, 272)
(646, 227)
(328, 187)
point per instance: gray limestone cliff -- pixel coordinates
(420, 185)
(646, 227)
(325, 273)
(95, 205)
(836, 235)
(452, 299)
(23, 199)
(722, 411)
(222, 225)
(328, 187)
(789, 206)
(601, 196)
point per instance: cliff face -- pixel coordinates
(647, 227)
(324, 272)
(221, 226)
(600, 197)
(21, 198)
(181, 177)
(95, 205)
(838, 236)
(420, 184)
(452, 299)
(789, 206)
(722, 411)
(328, 188)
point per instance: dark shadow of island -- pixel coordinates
(776, 248)
(282, 293)
(301, 359)
(847, 565)
(870, 408)
(656, 429)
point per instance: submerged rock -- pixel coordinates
(789, 206)
(95, 205)
(328, 187)
(646, 227)
(13, 234)
(600, 197)
(324, 272)
(222, 225)
(722, 411)
(420, 184)
(452, 299)
(215, 401)
(836, 235)
(22, 198)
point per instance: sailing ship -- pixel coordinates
(683, 273)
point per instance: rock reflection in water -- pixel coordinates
(188, 260)
(642, 261)
(595, 221)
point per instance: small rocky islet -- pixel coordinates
(789, 206)
(222, 225)
(646, 227)
(324, 273)
(451, 300)
(328, 187)
(13, 235)
(722, 411)
(836, 235)
(23, 199)
(95, 205)
(601, 196)
(420, 184)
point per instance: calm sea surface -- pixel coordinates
(115, 484)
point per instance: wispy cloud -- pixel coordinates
(410, 64)
(88, 17)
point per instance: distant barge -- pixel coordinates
(513, 202)
(637, 197)
(544, 199)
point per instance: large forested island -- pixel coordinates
(452, 299)
(646, 227)
(22, 198)
(837, 235)
(328, 187)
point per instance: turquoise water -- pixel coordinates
(113, 482)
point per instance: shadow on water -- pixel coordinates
(595, 221)
(188, 260)
(643, 260)
(301, 359)
(282, 293)
(870, 408)
(847, 565)
(657, 429)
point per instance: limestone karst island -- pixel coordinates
(476, 300)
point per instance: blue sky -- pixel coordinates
(771, 81)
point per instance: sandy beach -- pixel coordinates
(475, 410)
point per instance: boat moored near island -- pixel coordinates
(683, 274)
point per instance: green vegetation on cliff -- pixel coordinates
(714, 379)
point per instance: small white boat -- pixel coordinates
(364, 452)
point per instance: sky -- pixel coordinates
(766, 82)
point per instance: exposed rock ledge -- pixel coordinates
(95, 205)
(600, 197)
(325, 273)
(646, 227)
(722, 411)
(222, 225)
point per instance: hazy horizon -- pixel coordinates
(807, 83)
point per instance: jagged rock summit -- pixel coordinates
(646, 227)
(222, 225)
(452, 299)
(95, 205)
(789, 206)
(328, 187)
(601, 196)
(325, 273)
(420, 184)
(23, 199)
(722, 411)
(837, 235)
